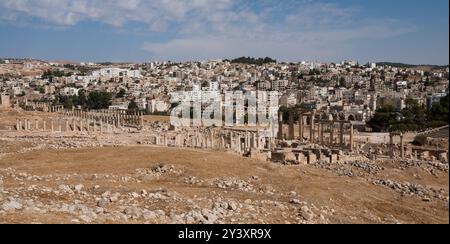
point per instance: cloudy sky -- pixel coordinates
(413, 31)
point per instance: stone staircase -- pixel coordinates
(441, 132)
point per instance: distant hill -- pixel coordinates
(402, 65)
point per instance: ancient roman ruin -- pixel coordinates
(320, 136)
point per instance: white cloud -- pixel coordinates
(203, 29)
(112, 12)
(325, 45)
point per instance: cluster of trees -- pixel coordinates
(49, 74)
(413, 118)
(95, 100)
(250, 60)
(402, 65)
(121, 93)
(133, 106)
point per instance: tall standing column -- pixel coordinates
(291, 125)
(402, 147)
(300, 126)
(341, 135)
(280, 126)
(321, 126)
(391, 144)
(311, 132)
(351, 137)
(18, 125)
(45, 125)
(231, 141)
(331, 133)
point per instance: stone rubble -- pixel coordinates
(411, 189)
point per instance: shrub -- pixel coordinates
(420, 140)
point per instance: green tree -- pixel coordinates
(133, 106)
(99, 100)
(383, 118)
(121, 93)
(420, 140)
(438, 114)
(81, 99)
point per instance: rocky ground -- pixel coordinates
(48, 178)
(146, 184)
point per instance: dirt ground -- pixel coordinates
(151, 184)
(354, 200)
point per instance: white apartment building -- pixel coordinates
(117, 72)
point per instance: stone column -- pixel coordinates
(45, 125)
(52, 126)
(291, 126)
(391, 144)
(351, 137)
(81, 125)
(341, 135)
(280, 126)
(402, 147)
(74, 125)
(223, 142)
(300, 126)
(67, 125)
(311, 132)
(211, 135)
(331, 133)
(321, 129)
(18, 125)
(231, 141)
(36, 125)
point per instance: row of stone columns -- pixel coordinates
(40, 106)
(56, 109)
(321, 126)
(392, 147)
(118, 118)
(237, 141)
(57, 125)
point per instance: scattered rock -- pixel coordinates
(11, 205)
(306, 213)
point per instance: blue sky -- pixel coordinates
(413, 31)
